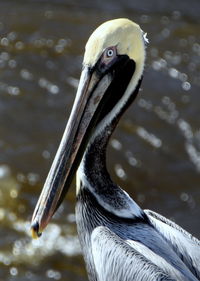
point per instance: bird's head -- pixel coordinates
(112, 69)
(114, 38)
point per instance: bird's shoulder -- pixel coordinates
(157, 219)
(117, 259)
(186, 246)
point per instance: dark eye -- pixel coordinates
(110, 53)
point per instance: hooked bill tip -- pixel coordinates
(35, 231)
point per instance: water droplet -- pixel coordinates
(12, 63)
(132, 161)
(26, 75)
(176, 15)
(59, 49)
(159, 64)
(176, 59)
(186, 129)
(49, 43)
(4, 171)
(196, 48)
(19, 45)
(184, 196)
(150, 138)
(186, 86)
(73, 82)
(164, 20)
(13, 271)
(4, 42)
(173, 72)
(116, 144)
(145, 18)
(120, 172)
(165, 32)
(13, 193)
(46, 154)
(4, 56)
(145, 104)
(33, 178)
(194, 155)
(53, 274)
(43, 82)
(21, 177)
(12, 36)
(50, 64)
(182, 76)
(53, 89)
(14, 91)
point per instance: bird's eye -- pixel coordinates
(110, 53)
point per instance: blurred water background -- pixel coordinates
(154, 153)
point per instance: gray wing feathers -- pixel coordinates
(183, 243)
(114, 259)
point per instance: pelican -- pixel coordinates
(120, 241)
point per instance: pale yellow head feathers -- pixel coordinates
(122, 33)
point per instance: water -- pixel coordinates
(154, 153)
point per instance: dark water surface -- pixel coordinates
(154, 153)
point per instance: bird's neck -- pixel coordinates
(93, 176)
(92, 170)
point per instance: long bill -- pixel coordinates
(90, 94)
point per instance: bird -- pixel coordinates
(120, 241)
